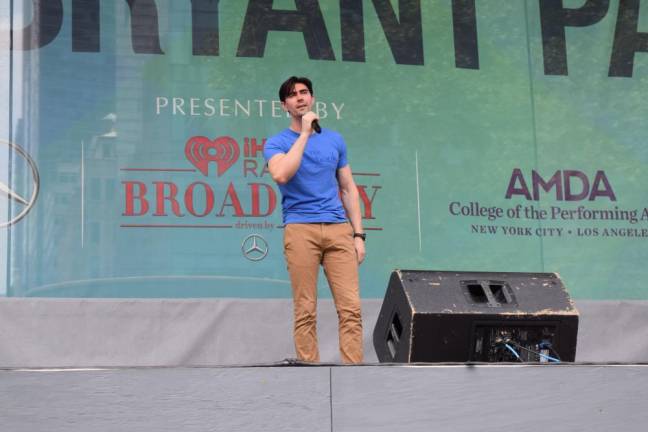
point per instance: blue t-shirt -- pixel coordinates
(312, 195)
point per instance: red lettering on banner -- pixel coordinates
(200, 199)
(256, 199)
(366, 201)
(189, 199)
(251, 166)
(235, 202)
(251, 148)
(196, 202)
(131, 197)
(160, 198)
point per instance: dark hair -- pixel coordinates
(289, 85)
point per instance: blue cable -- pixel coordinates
(510, 348)
(549, 357)
(553, 359)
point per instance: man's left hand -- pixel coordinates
(360, 249)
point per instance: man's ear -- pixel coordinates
(283, 106)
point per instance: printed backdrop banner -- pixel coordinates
(490, 135)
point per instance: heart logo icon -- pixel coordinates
(200, 151)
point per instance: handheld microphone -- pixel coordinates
(316, 127)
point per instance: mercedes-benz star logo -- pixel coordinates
(254, 247)
(19, 183)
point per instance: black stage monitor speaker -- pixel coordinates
(444, 316)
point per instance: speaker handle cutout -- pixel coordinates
(488, 293)
(394, 334)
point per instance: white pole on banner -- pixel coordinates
(418, 201)
(82, 194)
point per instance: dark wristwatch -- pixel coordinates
(363, 236)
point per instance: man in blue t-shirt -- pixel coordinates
(323, 225)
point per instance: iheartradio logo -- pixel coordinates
(200, 151)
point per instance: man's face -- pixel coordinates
(299, 101)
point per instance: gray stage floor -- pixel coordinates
(124, 334)
(328, 398)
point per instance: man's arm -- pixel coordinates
(283, 166)
(351, 203)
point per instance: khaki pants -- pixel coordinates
(306, 246)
